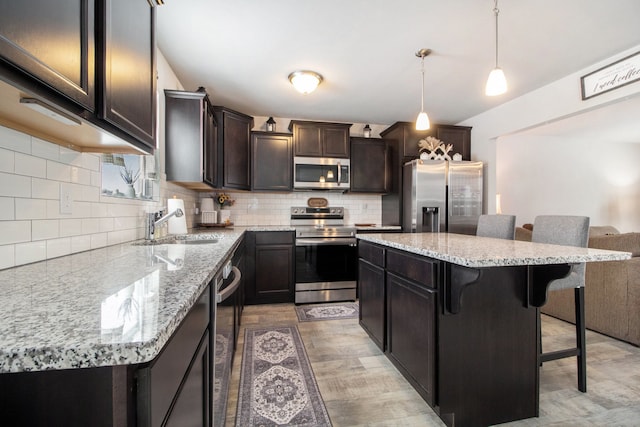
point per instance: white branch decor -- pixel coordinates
(433, 149)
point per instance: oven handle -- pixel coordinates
(327, 242)
(229, 290)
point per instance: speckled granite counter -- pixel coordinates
(472, 251)
(111, 306)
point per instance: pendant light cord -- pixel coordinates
(422, 93)
(496, 11)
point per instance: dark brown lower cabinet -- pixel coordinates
(270, 263)
(174, 389)
(191, 405)
(411, 343)
(465, 338)
(371, 292)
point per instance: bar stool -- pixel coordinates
(497, 226)
(568, 231)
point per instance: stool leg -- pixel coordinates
(581, 339)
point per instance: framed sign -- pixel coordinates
(612, 76)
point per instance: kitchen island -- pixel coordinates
(458, 316)
(112, 336)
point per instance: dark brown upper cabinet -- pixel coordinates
(370, 165)
(320, 139)
(234, 135)
(271, 161)
(92, 59)
(127, 68)
(408, 137)
(53, 42)
(191, 140)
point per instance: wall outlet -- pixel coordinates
(66, 201)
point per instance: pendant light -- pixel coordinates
(422, 123)
(497, 82)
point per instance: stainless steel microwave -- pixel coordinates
(321, 173)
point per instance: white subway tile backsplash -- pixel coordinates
(70, 157)
(14, 185)
(81, 209)
(90, 225)
(53, 210)
(106, 224)
(58, 171)
(91, 162)
(96, 179)
(98, 240)
(32, 172)
(7, 209)
(70, 227)
(14, 140)
(80, 176)
(44, 149)
(31, 252)
(7, 256)
(58, 247)
(90, 194)
(45, 189)
(31, 166)
(45, 229)
(31, 208)
(80, 243)
(99, 210)
(7, 160)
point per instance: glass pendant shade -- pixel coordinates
(496, 83)
(422, 123)
(305, 81)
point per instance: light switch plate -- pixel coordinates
(66, 200)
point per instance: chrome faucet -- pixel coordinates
(155, 219)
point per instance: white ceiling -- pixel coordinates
(243, 50)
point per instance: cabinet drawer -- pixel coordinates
(372, 253)
(274, 237)
(417, 268)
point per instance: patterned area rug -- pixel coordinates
(277, 386)
(345, 310)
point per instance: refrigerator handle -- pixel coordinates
(430, 219)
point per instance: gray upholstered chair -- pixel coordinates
(498, 226)
(568, 231)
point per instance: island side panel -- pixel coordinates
(488, 369)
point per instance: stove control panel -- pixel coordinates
(307, 212)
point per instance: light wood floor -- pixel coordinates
(360, 387)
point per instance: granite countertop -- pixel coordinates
(111, 306)
(472, 251)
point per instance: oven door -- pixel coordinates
(325, 269)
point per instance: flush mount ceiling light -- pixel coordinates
(422, 123)
(497, 82)
(305, 81)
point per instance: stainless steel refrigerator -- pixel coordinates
(439, 195)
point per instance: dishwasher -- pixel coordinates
(225, 326)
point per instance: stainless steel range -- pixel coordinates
(326, 255)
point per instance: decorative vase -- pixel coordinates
(224, 216)
(130, 191)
